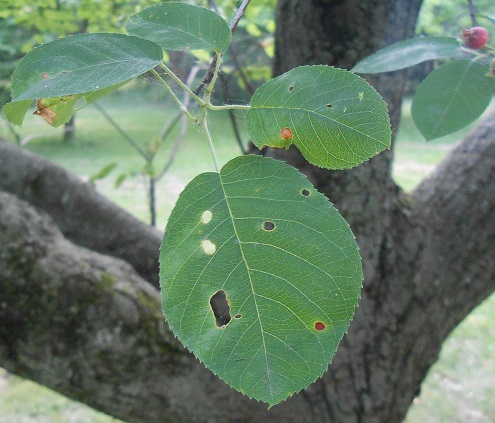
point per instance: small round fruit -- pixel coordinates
(475, 37)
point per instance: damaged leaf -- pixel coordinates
(260, 276)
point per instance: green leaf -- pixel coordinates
(82, 63)
(260, 237)
(335, 118)
(180, 26)
(15, 112)
(409, 53)
(103, 173)
(56, 111)
(451, 97)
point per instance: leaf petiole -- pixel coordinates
(181, 84)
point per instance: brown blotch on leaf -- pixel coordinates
(45, 112)
(286, 134)
(44, 75)
(319, 326)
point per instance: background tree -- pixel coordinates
(427, 263)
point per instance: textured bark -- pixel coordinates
(428, 261)
(83, 215)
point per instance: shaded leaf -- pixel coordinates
(56, 111)
(180, 26)
(81, 64)
(260, 276)
(334, 117)
(451, 97)
(409, 53)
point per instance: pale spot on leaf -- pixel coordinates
(208, 247)
(206, 217)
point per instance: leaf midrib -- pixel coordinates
(250, 280)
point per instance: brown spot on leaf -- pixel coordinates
(45, 112)
(286, 134)
(319, 326)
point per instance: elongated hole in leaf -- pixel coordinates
(291, 88)
(268, 226)
(221, 309)
(305, 192)
(237, 316)
(329, 106)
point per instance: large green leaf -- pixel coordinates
(335, 118)
(81, 64)
(409, 53)
(260, 235)
(179, 26)
(451, 97)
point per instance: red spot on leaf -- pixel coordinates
(319, 326)
(286, 134)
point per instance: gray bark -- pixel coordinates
(428, 261)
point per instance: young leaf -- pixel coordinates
(260, 276)
(82, 63)
(409, 53)
(451, 97)
(180, 26)
(335, 118)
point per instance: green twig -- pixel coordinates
(210, 143)
(181, 84)
(182, 107)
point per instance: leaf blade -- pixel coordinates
(409, 53)
(178, 26)
(82, 63)
(451, 97)
(268, 352)
(335, 118)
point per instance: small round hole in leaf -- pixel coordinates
(319, 326)
(268, 226)
(305, 192)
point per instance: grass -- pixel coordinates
(459, 388)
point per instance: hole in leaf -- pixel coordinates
(319, 326)
(286, 134)
(221, 309)
(305, 192)
(291, 88)
(329, 106)
(208, 247)
(206, 217)
(268, 226)
(237, 316)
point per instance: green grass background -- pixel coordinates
(459, 388)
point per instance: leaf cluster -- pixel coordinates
(260, 275)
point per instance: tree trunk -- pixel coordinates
(88, 325)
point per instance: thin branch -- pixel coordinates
(132, 142)
(183, 128)
(472, 12)
(233, 26)
(238, 15)
(233, 120)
